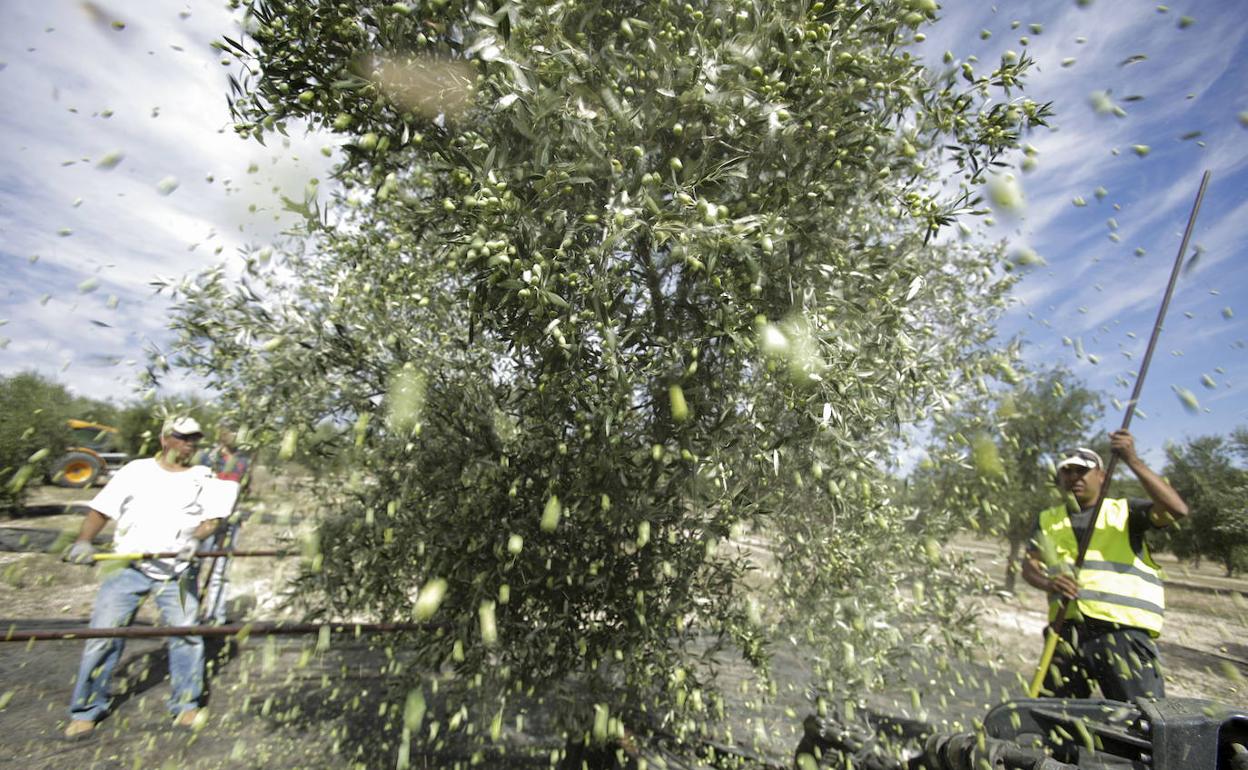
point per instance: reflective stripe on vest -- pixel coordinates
(1115, 584)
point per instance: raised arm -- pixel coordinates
(1168, 507)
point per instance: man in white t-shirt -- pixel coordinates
(160, 504)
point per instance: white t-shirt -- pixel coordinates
(158, 510)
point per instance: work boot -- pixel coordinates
(79, 729)
(186, 718)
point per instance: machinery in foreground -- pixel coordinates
(1040, 734)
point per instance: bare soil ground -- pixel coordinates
(279, 702)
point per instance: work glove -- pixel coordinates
(79, 553)
(187, 554)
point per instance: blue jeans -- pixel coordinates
(115, 605)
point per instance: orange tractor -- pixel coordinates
(92, 456)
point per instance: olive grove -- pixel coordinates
(616, 310)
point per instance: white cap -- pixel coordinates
(182, 427)
(1081, 457)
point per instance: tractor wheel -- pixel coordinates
(76, 469)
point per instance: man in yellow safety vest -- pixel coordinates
(1118, 598)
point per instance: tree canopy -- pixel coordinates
(602, 292)
(1203, 470)
(32, 430)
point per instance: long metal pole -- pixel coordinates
(240, 630)
(199, 554)
(1055, 628)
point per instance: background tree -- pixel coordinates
(1214, 487)
(139, 422)
(602, 288)
(991, 462)
(32, 431)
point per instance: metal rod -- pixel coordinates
(240, 630)
(1059, 623)
(198, 554)
(208, 609)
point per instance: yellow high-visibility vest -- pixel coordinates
(1115, 584)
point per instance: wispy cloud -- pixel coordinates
(164, 88)
(1096, 288)
(154, 92)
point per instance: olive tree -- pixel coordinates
(33, 410)
(612, 304)
(33, 431)
(1213, 485)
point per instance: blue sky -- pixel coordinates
(81, 243)
(1171, 77)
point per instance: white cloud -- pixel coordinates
(169, 118)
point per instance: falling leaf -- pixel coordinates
(986, 456)
(551, 514)
(405, 399)
(680, 409)
(167, 185)
(1232, 672)
(773, 340)
(430, 598)
(1025, 256)
(1102, 103)
(1006, 194)
(488, 624)
(110, 160)
(290, 442)
(1188, 399)
(414, 710)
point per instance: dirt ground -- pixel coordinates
(284, 702)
